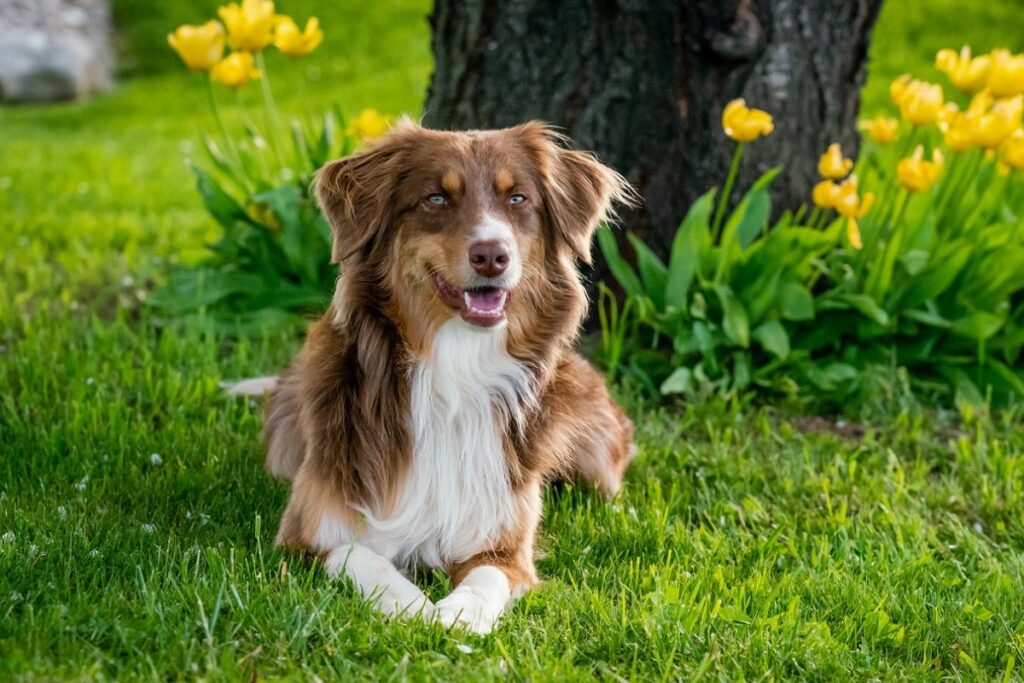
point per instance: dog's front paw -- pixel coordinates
(397, 602)
(465, 608)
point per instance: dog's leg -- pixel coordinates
(601, 444)
(487, 583)
(478, 601)
(378, 580)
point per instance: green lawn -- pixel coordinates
(137, 525)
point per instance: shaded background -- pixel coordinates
(112, 165)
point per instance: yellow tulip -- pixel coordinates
(235, 70)
(898, 88)
(980, 103)
(848, 202)
(743, 124)
(964, 73)
(250, 25)
(368, 124)
(1013, 150)
(853, 231)
(295, 43)
(916, 174)
(825, 194)
(200, 47)
(832, 165)
(991, 128)
(1006, 77)
(921, 102)
(851, 205)
(882, 130)
(957, 132)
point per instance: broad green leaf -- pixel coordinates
(795, 302)
(688, 247)
(734, 317)
(1013, 378)
(773, 337)
(830, 376)
(978, 326)
(866, 305)
(623, 272)
(914, 261)
(926, 317)
(745, 222)
(741, 369)
(219, 203)
(679, 382)
(653, 273)
(933, 280)
(880, 277)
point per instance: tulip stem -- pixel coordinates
(229, 144)
(258, 139)
(951, 180)
(723, 200)
(902, 201)
(273, 119)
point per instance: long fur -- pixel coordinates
(411, 436)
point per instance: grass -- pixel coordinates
(136, 523)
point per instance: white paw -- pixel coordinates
(467, 609)
(402, 603)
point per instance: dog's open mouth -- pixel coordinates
(483, 306)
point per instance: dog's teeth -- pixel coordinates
(501, 304)
(465, 297)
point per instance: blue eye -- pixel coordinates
(437, 199)
(517, 199)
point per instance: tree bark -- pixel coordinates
(643, 83)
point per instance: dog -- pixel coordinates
(440, 391)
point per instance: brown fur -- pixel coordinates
(338, 421)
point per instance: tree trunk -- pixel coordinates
(643, 83)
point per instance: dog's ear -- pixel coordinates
(356, 193)
(580, 191)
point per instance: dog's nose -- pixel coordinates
(489, 258)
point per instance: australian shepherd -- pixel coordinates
(440, 390)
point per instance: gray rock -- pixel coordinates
(54, 49)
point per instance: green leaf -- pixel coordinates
(747, 220)
(866, 305)
(880, 277)
(830, 376)
(934, 279)
(751, 213)
(623, 272)
(688, 247)
(978, 326)
(217, 201)
(653, 273)
(679, 382)
(914, 261)
(795, 302)
(734, 317)
(773, 337)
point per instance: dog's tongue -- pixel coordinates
(486, 301)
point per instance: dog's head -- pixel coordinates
(476, 224)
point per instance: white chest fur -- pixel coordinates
(456, 496)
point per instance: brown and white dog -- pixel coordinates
(440, 391)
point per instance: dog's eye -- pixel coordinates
(517, 199)
(437, 199)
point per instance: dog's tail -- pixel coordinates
(285, 446)
(257, 386)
